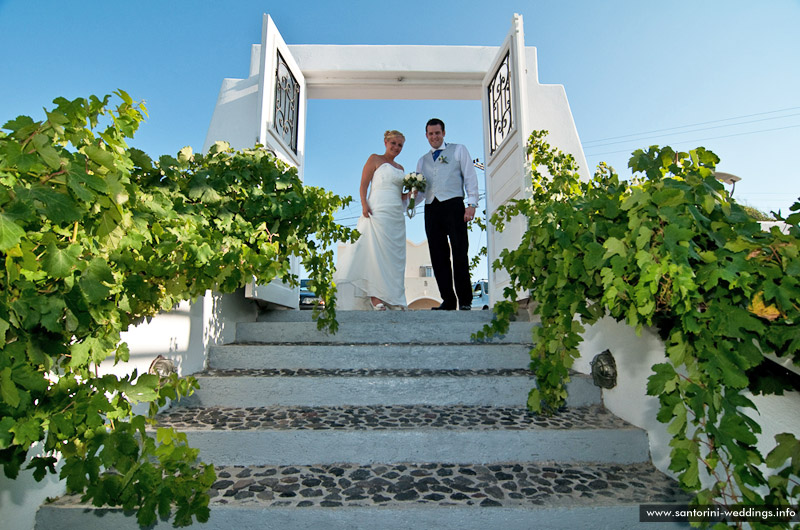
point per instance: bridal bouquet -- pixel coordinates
(413, 182)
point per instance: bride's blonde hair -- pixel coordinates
(392, 134)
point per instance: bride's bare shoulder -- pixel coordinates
(375, 161)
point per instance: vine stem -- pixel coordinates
(131, 472)
(776, 256)
(44, 180)
(709, 443)
(30, 137)
(70, 405)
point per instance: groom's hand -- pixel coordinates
(469, 214)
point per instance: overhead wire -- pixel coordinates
(697, 130)
(704, 139)
(648, 135)
(600, 140)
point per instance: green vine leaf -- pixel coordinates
(8, 390)
(59, 263)
(788, 448)
(100, 156)
(57, 206)
(614, 247)
(10, 233)
(663, 381)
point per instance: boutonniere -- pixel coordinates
(443, 159)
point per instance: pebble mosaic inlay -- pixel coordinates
(383, 417)
(498, 485)
(380, 372)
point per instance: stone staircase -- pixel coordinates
(398, 421)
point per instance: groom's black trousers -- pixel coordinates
(444, 220)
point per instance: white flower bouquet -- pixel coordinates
(413, 182)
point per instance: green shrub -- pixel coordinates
(669, 249)
(96, 236)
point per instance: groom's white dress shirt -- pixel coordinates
(449, 176)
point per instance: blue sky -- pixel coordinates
(724, 74)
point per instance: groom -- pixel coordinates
(449, 171)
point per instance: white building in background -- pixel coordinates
(421, 289)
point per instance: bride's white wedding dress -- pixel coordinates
(375, 264)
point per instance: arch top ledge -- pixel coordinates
(390, 71)
(409, 58)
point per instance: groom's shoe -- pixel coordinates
(465, 308)
(444, 307)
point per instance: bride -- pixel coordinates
(372, 273)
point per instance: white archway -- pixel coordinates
(269, 108)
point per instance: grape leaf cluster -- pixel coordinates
(670, 250)
(95, 236)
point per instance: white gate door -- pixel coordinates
(505, 118)
(281, 118)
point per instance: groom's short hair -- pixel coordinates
(434, 121)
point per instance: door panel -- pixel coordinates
(281, 117)
(505, 118)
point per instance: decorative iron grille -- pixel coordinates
(500, 111)
(287, 104)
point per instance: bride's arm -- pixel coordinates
(404, 195)
(366, 178)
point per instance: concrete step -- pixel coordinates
(393, 434)
(421, 317)
(370, 356)
(398, 421)
(512, 495)
(383, 327)
(315, 388)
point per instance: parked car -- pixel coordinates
(480, 295)
(307, 297)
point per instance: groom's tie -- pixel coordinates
(436, 154)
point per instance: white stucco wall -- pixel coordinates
(767, 225)
(548, 109)
(235, 118)
(634, 356)
(184, 334)
(21, 498)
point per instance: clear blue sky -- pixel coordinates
(724, 74)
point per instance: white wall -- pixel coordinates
(767, 225)
(184, 334)
(548, 109)
(234, 119)
(634, 356)
(21, 498)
